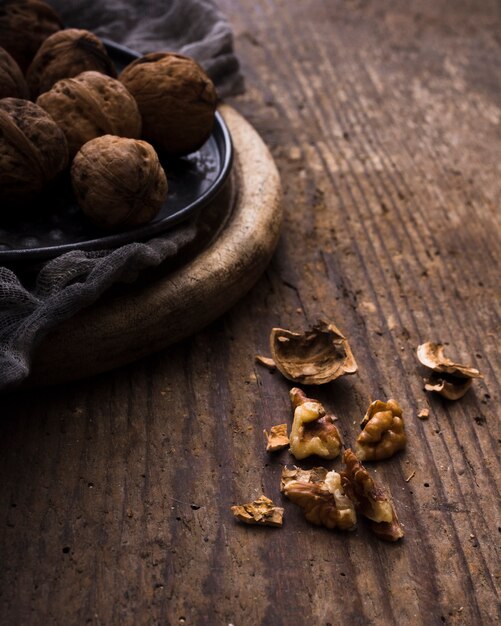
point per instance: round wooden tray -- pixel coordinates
(127, 326)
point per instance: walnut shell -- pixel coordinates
(176, 98)
(91, 105)
(24, 25)
(12, 83)
(65, 54)
(118, 182)
(33, 151)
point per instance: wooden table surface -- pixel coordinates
(384, 120)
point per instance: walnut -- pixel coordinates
(24, 25)
(370, 500)
(261, 512)
(313, 432)
(315, 357)
(277, 438)
(383, 432)
(65, 54)
(118, 182)
(323, 501)
(91, 105)
(297, 474)
(12, 83)
(33, 151)
(449, 379)
(176, 98)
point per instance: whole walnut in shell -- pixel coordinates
(176, 98)
(12, 83)
(65, 54)
(33, 151)
(91, 105)
(24, 25)
(118, 182)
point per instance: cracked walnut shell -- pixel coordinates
(91, 105)
(65, 54)
(118, 182)
(24, 25)
(313, 432)
(321, 497)
(33, 151)
(315, 357)
(176, 98)
(370, 500)
(12, 83)
(383, 432)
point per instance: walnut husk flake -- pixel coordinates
(370, 499)
(321, 497)
(12, 82)
(383, 433)
(315, 357)
(261, 512)
(313, 431)
(449, 379)
(277, 438)
(65, 54)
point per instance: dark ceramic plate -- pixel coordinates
(58, 225)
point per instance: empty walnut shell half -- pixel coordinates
(33, 151)
(24, 25)
(12, 83)
(65, 54)
(449, 379)
(91, 105)
(315, 357)
(176, 98)
(118, 182)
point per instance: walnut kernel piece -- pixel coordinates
(65, 54)
(261, 512)
(370, 500)
(176, 98)
(315, 357)
(323, 501)
(313, 432)
(383, 432)
(296, 474)
(12, 83)
(118, 182)
(424, 414)
(89, 106)
(277, 438)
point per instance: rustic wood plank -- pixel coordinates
(384, 122)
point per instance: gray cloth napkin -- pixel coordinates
(77, 279)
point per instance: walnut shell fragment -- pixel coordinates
(383, 432)
(315, 357)
(24, 25)
(65, 54)
(449, 379)
(91, 105)
(33, 152)
(370, 500)
(261, 512)
(12, 83)
(176, 98)
(118, 182)
(313, 432)
(323, 501)
(277, 438)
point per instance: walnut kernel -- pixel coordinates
(261, 512)
(383, 432)
(277, 438)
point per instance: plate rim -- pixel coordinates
(112, 241)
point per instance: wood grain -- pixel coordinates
(384, 120)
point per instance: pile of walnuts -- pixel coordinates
(64, 110)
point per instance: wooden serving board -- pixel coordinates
(124, 327)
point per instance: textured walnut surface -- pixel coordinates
(119, 183)
(33, 150)
(261, 512)
(12, 82)
(383, 433)
(65, 54)
(91, 105)
(176, 98)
